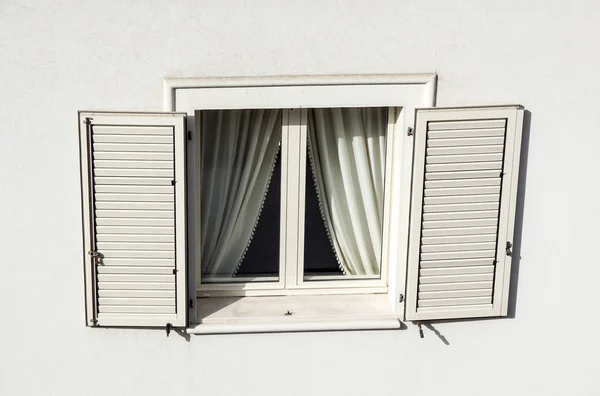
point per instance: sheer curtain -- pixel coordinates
(347, 148)
(239, 149)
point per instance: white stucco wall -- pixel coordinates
(60, 56)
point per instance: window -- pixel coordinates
(309, 189)
(293, 199)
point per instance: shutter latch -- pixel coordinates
(94, 253)
(508, 248)
(409, 131)
(169, 327)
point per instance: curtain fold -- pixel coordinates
(347, 153)
(238, 153)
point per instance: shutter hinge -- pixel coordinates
(94, 322)
(409, 131)
(401, 298)
(191, 303)
(173, 182)
(508, 248)
(88, 120)
(169, 328)
(189, 135)
(94, 253)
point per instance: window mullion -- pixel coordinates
(302, 194)
(293, 173)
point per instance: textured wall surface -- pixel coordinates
(60, 56)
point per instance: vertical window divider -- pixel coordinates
(293, 172)
(303, 147)
(285, 138)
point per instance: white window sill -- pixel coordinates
(294, 313)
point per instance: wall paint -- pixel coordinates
(58, 57)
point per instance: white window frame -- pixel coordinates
(404, 91)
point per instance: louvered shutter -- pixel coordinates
(133, 189)
(465, 175)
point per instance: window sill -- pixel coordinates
(294, 313)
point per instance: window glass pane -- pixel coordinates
(344, 193)
(240, 195)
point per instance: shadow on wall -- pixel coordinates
(516, 261)
(516, 258)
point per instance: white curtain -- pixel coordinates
(239, 149)
(347, 148)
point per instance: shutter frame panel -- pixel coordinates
(134, 216)
(463, 204)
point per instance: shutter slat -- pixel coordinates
(447, 255)
(136, 285)
(107, 301)
(493, 181)
(457, 214)
(455, 294)
(470, 124)
(458, 239)
(158, 246)
(480, 269)
(460, 223)
(124, 205)
(138, 254)
(462, 175)
(135, 213)
(464, 166)
(456, 301)
(133, 156)
(134, 238)
(135, 230)
(137, 293)
(135, 309)
(129, 198)
(133, 189)
(116, 164)
(144, 262)
(460, 133)
(150, 278)
(436, 232)
(464, 150)
(117, 221)
(439, 192)
(461, 207)
(146, 181)
(449, 159)
(131, 138)
(104, 269)
(476, 141)
(120, 172)
(458, 247)
(456, 286)
(457, 199)
(456, 262)
(472, 214)
(124, 147)
(132, 130)
(456, 278)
